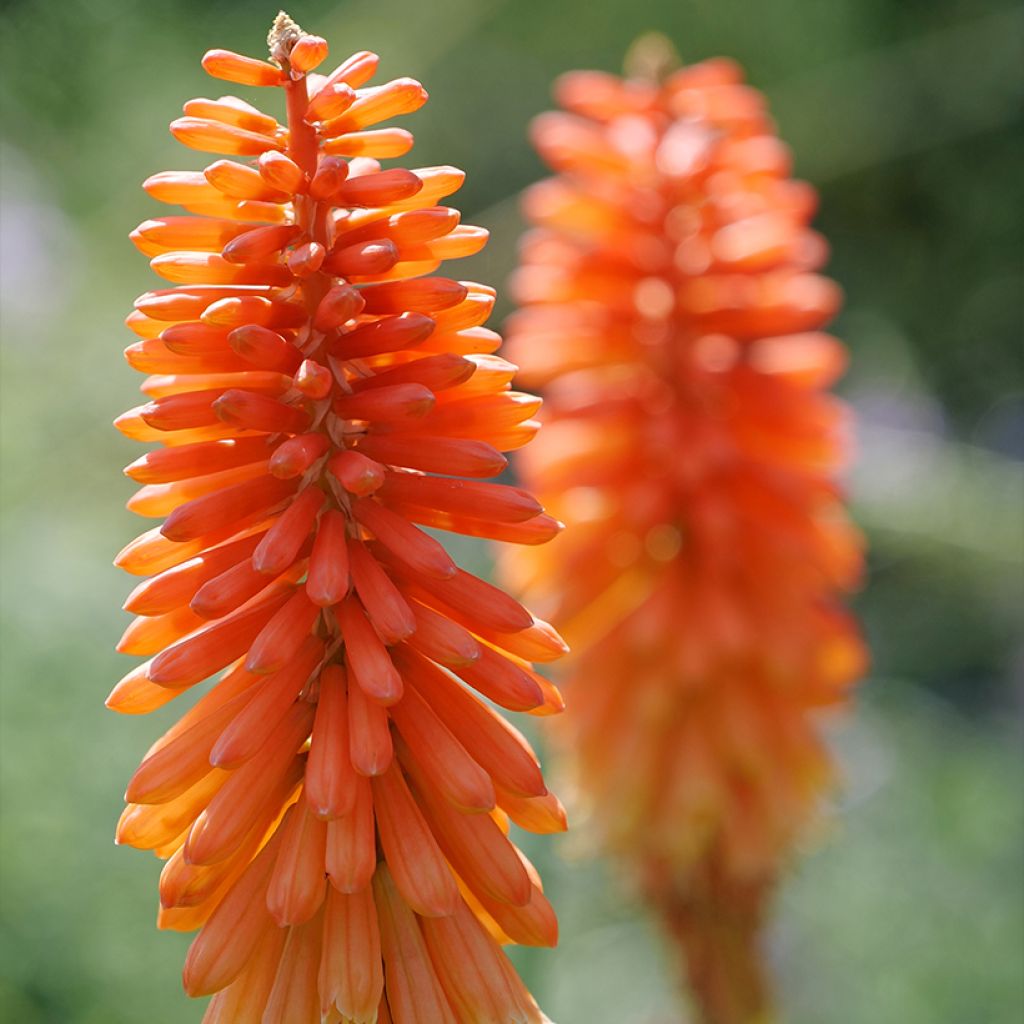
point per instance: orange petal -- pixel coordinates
(355, 472)
(267, 705)
(280, 171)
(149, 634)
(404, 542)
(381, 143)
(457, 456)
(480, 983)
(442, 640)
(245, 999)
(384, 604)
(369, 735)
(368, 660)
(414, 859)
(387, 334)
(473, 843)
(421, 295)
(234, 67)
(400, 96)
(414, 994)
(212, 647)
(328, 580)
(351, 843)
(296, 455)
(167, 465)
(298, 883)
(351, 972)
(233, 507)
(236, 180)
(281, 638)
(443, 759)
(253, 793)
(331, 781)
(136, 695)
(491, 741)
(223, 947)
(215, 137)
(294, 996)
(182, 762)
(539, 814)
(381, 188)
(148, 826)
(230, 590)
(280, 547)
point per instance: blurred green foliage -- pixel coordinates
(907, 116)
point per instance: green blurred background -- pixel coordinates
(908, 905)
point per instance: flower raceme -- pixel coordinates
(672, 313)
(334, 811)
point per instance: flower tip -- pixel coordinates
(308, 53)
(125, 421)
(313, 379)
(554, 703)
(132, 467)
(550, 636)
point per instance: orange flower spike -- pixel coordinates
(671, 308)
(316, 398)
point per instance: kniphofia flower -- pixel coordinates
(672, 312)
(334, 811)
